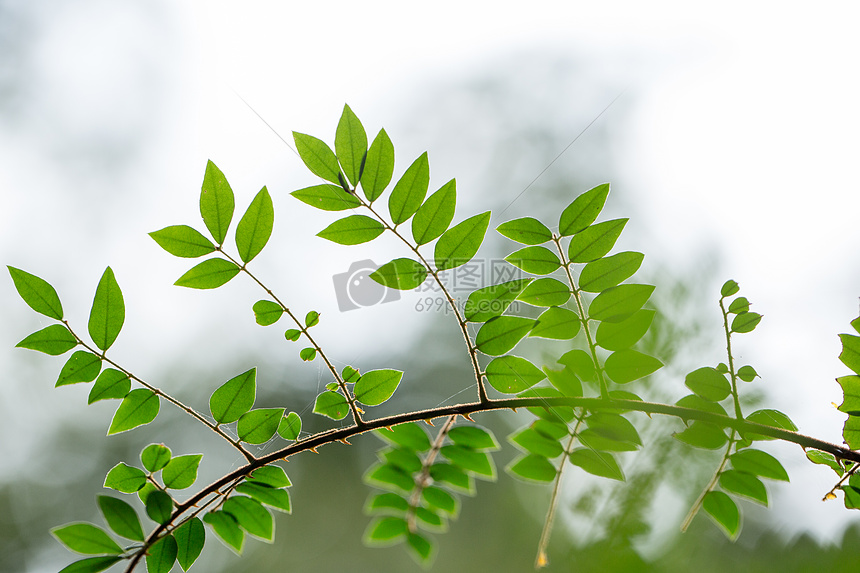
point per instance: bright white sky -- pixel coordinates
(741, 132)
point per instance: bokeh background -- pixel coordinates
(728, 133)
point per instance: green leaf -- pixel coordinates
(601, 464)
(742, 483)
(159, 506)
(421, 548)
(308, 354)
(624, 334)
(531, 441)
(352, 230)
(273, 497)
(435, 215)
(535, 260)
(317, 156)
(332, 405)
(388, 477)
(709, 384)
(53, 340)
(190, 538)
(377, 386)
(827, 459)
(216, 203)
(499, 335)
(90, 565)
(410, 190)
(850, 355)
(125, 479)
(724, 512)
(619, 302)
(155, 456)
(595, 241)
(747, 373)
(86, 538)
(729, 288)
(409, 435)
(430, 520)
(389, 503)
(745, 322)
(384, 531)
(290, 426)
(512, 374)
(327, 197)
(759, 463)
(459, 244)
(698, 403)
(583, 211)
(312, 318)
(609, 271)
(121, 517)
(454, 477)
(479, 463)
(400, 274)
(856, 324)
(82, 366)
(234, 398)
(267, 312)
(37, 293)
(144, 492)
(271, 475)
(564, 380)
(554, 430)
(473, 437)
(739, 305)
(403, 458)
(258, 426)
(209, 274)
(139, 407)
(773, 418)
(438, 498)
(350, 374)
(703, 435)
(580, 363)
(488, 302)
(181, 471)
(183, 241)
(614, 427)
(292, 334)
(627, 365)
(378, 167)
(551, 413)
(545, 292)
(110, 385)
(255, 227)
(251, 515)
(851, 392)
(350, 143)
(108, 312)
(533, 467)
(851, 432)
(226, 528)
(162, 555)
(527, 230)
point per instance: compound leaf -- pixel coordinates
(234, 398)
(183, 241)
(377, 386)
(209, 274)
(37, 293)
(352, 230)
(255, 227)
(435, 215)
(459, 244)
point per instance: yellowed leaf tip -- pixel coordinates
(834, 405)
(542, 560)
(830, 495)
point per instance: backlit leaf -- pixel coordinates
(275, 498)
(420, 547)
(37, 293)
(255, 227)
(595, 241)
(527, 230)
(459, 244)
(82, 366)
(352, 230)
(564, 380)
(533, 467)
(139, 407)
(378, 167)
(387, 503)
(619, 302)
(190, 538)
(251, 515)
(53, 340)
(162, 555)
(124, 478)
(155, 456)
(499, 335)
(211, 273)
(258, 426)
(627, 365)
(438, 498)
(745, 322)
(739, 305)
(535, 260)
(332, 405)
(216, 202)
(290, 426)
(747, 373)
(183, 241)
(409, 191)
(226, 528)
(409, 435)
(580, 362)
(709, 384)
(744, 484)
(614, 427)
(181, 471)
(400, 274)
(473, 437)
(317, 156)
(91, 564)
(532, 441)
(377, 386)
(454, 477)
(512, 374)
(703, 435)
(601, 464)
(327, 197)
(108, 312)
(698, 403)
(121, 517)
(488, 302)
(234, 398)
(827, 459)
(769, 417)
(724, 512)
(159, 506)
(850, 355)
(609, 271)
(757, 462)
(384, 531)
(624, 334)
(729, 288)
(86, 538)
(435, 215)
(583, 210)
(267, 312)
(388, 477)
(110, 385)
(479, 463)
(350, 143)
(271, 475)
(545, 292)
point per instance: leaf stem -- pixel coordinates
(711, 484)
(423, 479)
(734, 377)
